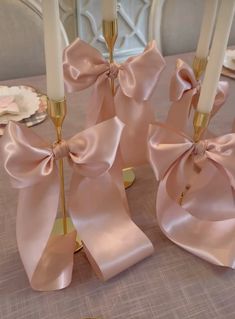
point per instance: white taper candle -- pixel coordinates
(208, 22)
(214, 66)
(109, 10)
(53, 49)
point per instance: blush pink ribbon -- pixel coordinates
(7, 105)
(111, 240)
(204, 223)
(136, 79)
(184, 94)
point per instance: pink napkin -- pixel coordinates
(8, 106)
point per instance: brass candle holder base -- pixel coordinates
(58, 230)
(199, 66)
(128, 176)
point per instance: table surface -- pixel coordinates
(171, 284)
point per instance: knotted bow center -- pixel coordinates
(198, 86)
(60, 149)
(200, 148)
(113, 70)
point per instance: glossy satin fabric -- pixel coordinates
(205, 222)
(135, 81)
(96, 205)
(184, 94)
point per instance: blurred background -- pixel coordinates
(174, 24)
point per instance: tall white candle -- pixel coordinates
(109, 10)
(208, 21)
(214, 66)
(53, 49)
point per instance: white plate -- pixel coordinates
(27, 101)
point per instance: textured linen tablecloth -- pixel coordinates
(171, 284)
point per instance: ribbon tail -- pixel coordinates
(101, 104)
(48, 261)
(111, 240)
(211, 240)
(137, 116)
(178, 115)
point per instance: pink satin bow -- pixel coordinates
(137, 78)
(204, 222)
(184, 94)
(112, 241)
(7, 105)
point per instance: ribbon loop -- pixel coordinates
(184, 94)
(182, 80)
(136, 79)
(30, 162)
(203, 221)
(97, 204)
(33, 155)
(139, 75)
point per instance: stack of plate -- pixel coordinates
(30, 106)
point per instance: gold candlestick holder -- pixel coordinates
(199, 66)
(110, 33)
(57, 112)
(200, 124)
(201, 120)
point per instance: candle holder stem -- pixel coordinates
(110, 32)
(57, 113)
(62, 196)
(199, 66)
(200, 123)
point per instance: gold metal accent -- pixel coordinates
(128, 176)
(58, 230)
(110, 32)
(200, 123)
(199, 66)
(187, 187)
(57, 112)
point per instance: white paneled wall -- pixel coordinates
(68, 15)
(175, 24)
(133, 17)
